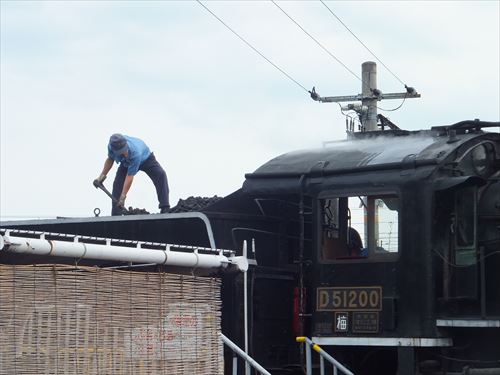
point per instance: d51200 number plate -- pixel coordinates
(365, 298)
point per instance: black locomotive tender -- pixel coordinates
(384, 248)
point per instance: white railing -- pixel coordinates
(249, 361)
(322, 357)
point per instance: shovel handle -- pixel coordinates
(99, 185)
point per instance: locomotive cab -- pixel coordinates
(402, 271)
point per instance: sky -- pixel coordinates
(209, 106)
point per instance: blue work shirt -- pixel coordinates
(138, 152)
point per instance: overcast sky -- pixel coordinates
(212, 109)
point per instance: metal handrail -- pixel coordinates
(248, 360)
(323, 355)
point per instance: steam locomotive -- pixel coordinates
(383, 248)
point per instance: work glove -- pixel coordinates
(121, 201)
(99, 180)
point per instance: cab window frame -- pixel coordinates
(372, 256)
(465, 226)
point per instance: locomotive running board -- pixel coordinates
(383, 341)
(469, 323)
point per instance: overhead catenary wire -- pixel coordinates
(394, 109)
(317, 42)
(251, 46)
(363, 44)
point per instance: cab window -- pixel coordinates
(359, 227)
(464, 226)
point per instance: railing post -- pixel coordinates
(308, 359)
(245, 307)
(235, 364)
(307, 343)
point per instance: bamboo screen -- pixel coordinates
(62, 320)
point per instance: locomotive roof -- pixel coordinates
(369, 151)
(354, 153)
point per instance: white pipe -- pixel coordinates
(137, 254)
(245, 307)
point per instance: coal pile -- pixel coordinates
(189, 204)
(135, 211)
(194, 204)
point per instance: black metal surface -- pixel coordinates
(375, 151)
(181, 229)
(468, 125)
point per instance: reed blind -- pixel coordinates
(64, 320)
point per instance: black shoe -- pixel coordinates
(164, 209)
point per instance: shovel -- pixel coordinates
(125, 211)
(99, 185)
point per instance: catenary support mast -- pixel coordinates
(369, 97)
(369, 91)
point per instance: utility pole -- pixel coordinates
(370, 95)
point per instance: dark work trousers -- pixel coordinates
(155, 172)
